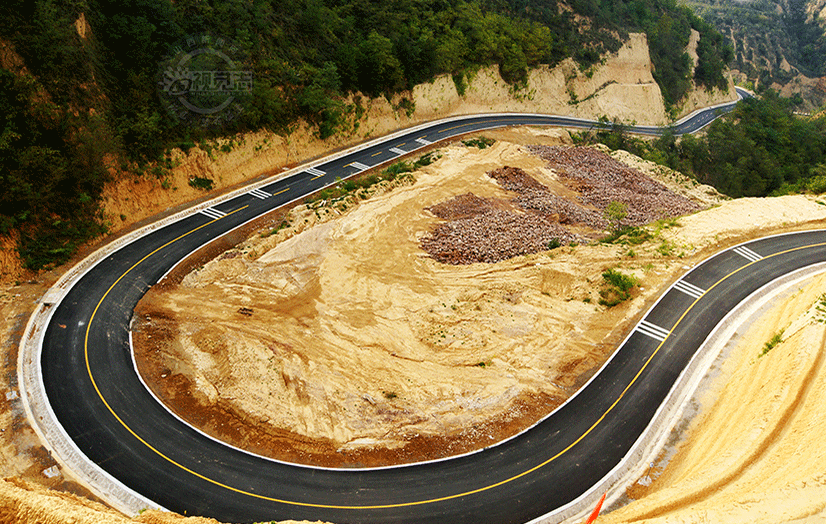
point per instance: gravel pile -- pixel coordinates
(600, 180)
(462, 206)
(534, 196)
(493, 236)
(484, 230)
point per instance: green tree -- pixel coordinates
(615, 213)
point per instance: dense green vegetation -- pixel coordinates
(761, 149)
(78, 102)
(765, 33)
(616, 287)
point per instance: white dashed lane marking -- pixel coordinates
(213, 213)
(652, 330)
(258, 193)
(359, 166)
(689, 289)
(747, 253)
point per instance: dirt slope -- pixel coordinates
(754, 454)
(344, 343)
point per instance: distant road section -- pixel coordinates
(101, 404)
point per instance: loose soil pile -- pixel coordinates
(600, 180)
(345, 344)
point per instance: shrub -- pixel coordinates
(481, 142)
(202, 183)
(774, 341)
(616, 287)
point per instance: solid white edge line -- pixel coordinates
(32, 392)
(654, 437)
(54, 437)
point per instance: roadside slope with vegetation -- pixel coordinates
(777, 43)
(79, 80)
(761, 149)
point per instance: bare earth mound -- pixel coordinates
(346, 344)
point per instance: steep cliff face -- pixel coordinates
(621, 87)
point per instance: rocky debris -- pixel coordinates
(516, 180)
(485, 230)
(600, 180)
(535, 196)
(493, 236)
(462, 206)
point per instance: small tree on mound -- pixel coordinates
(615, 213)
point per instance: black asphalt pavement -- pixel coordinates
(100, 401)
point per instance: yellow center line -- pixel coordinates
(274, 194)
(402, 504)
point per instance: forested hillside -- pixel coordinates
(762, 149)
(78, 105)
(774, 40)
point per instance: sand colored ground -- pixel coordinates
(755, 453)
(358, 340)
(28, 502)
(698, 235)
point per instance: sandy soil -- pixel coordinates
(755, 453)
(345, 344)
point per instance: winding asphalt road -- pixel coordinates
(101, 403)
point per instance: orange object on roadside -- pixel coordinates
(597, 509)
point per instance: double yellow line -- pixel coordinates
(403, 504)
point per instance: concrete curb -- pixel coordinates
(654, 438)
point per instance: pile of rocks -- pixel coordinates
(493, 236)
(486, 230)
(462, 206)
(536, 197)
(600, 180)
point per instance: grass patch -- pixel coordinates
(204, 184)
(633, 236)
(480, 142)
(772, 342)
(616, 287)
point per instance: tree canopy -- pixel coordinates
(80, 101)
